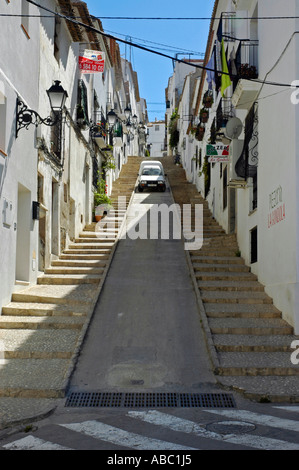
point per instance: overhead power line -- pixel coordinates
(148, 18)
(197, 18)
(130, 43)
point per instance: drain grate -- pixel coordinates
(150, 400)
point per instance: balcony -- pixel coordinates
(246, 70)
(99, 133)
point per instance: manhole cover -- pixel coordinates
(230, 427)
(150, 400)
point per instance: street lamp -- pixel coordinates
(24, 116)
(57, 96)
(127, 112)
(112, 117)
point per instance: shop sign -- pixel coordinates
(217, 153)
(277, 210)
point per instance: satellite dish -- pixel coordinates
(233, 128)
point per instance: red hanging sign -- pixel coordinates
(92, 62)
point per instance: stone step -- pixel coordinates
(82, 295)
(266, 389)
(94, 264)
(231, 286)
(217, 259)
(254, 363)
(34, 378)
(253, 343)
(39, 322)
(231, 297)
(225, 276)
(42, 325)
(73, 270)
(42, 309)
(218, 310)
(250, 326)
(38, 344)
(85, 251)
(69, 279)
(220, 252)
(96, 243)
(86, 256)
(229, 268)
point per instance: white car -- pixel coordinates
(151, 176)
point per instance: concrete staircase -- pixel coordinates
(43, 326)
(251, 341)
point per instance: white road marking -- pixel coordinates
(182, 425)
(123, 438)
(294, 409)
(33, 443)
(264, 420)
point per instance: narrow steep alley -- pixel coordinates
(44, 326)
(249, 342)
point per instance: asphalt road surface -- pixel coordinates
(146, 332)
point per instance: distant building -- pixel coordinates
(156, 141)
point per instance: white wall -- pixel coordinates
(18, 159)
(156, 137)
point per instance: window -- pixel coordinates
(253, 241)
(56, 37)
(254, 192)
(40, 188)
(224, 181)
(56, 134)
(82, 106)
(247, 164)
(157, 128)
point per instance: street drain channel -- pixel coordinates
(149, 400)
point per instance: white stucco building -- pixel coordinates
(156, 138)
(19, 68)
(254, 193)
(48, 173)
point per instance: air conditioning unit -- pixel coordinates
(234, 180)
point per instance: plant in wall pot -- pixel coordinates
(102, 203)
(208, 99)
(200, 133)
(204, 115)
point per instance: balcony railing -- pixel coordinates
(99, 131)
(246, 62)
(224, 113)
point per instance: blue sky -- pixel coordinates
(169, 36)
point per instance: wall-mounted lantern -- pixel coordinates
(24, 116)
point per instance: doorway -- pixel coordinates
(55, 219)
(24, 219)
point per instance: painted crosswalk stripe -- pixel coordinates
(33, 443)
(182, 425)
(264, 420)
(118, 436)
(292, 409)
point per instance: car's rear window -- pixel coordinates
(151, 171)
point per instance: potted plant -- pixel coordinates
(200, 132)
(208, 100)
(247, 71)
(101, 200)
(204, 115)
